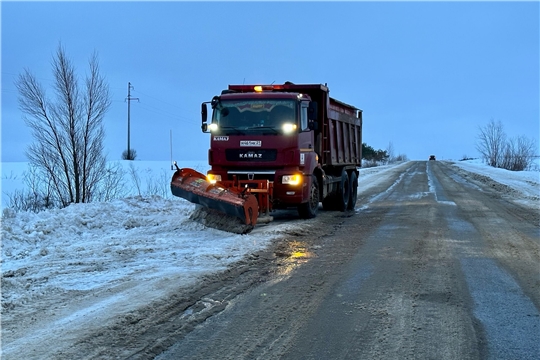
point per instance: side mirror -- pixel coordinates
(204, 117)
(312, 110)
(204, 112)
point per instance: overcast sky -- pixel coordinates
(426, 74)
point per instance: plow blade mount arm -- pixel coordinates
(194, 187)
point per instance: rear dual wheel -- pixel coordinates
(344, 192)
(344, 198)
(353, 193)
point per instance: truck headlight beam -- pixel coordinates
(295, 179)
(288, 128)
(212, 179)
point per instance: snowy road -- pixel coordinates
(435, 262)
(434, 267)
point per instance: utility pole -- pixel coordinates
(129, 98)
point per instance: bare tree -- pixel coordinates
(135, 177)
(112, 186)
(526, 152)
(491, 142)
(129, 155)
(33, 197)
(390, 152)
(507, 155)
(402, 157)
(514, 154)
(68, 131)
(519, 154)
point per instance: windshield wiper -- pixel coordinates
(228, 128)
(265, 128)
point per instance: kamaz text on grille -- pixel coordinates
(249, 156)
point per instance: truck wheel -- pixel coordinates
(308, 210)
(344, 192)
(353, 179)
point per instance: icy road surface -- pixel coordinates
(88, 281)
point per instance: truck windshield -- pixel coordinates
(264, 116)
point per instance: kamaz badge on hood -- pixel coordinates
(221, 138)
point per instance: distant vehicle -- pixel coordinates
(432, 157)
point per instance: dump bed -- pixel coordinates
(342, 135)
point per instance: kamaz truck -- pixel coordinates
(276, 147)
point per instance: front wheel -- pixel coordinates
(308, 210)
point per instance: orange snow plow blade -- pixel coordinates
(194, 187)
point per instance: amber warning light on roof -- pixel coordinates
(257, 88)
(261, 88)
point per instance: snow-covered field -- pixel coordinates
(139, 177)
(145, 241)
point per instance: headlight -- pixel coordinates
(288, 128)
(212, 127)
(213, 178)
(292, 179)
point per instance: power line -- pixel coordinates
(150, 96)
(157, 110)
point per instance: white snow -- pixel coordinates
(526, 182)
(139, 243)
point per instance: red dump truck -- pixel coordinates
(276, 147)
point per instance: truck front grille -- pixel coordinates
(251, 155)
(241, 175)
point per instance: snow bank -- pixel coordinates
(525, 182)
(84, 246)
